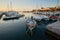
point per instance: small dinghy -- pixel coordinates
(30, 25)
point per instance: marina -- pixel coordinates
(29, 20)
(16, 30)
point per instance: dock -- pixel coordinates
(54, 31)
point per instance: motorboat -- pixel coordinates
(53, 17)
(31, 24)
(12, 15)
(40, 17)
(45, 17)
(37, 18)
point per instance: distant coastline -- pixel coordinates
(49, 9)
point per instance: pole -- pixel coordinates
(7, 7)
(11, 5)
(57, 3)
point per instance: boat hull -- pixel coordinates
(11, 18)
(31, 25)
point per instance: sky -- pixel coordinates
(24, 5)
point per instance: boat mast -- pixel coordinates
(7, 7)
(36, 7)
(57, 5)
(57, 2)
(10, 5)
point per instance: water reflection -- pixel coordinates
(29, 32)
(16, 30)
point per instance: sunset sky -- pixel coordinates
(21, 5)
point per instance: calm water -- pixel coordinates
(16, 30)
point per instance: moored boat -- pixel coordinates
(12, 15)
(40, 17)
(31, 24)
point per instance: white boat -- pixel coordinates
(45, 17)
(37, 18)
(31, 24)
(12, 15)
(40, 17)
